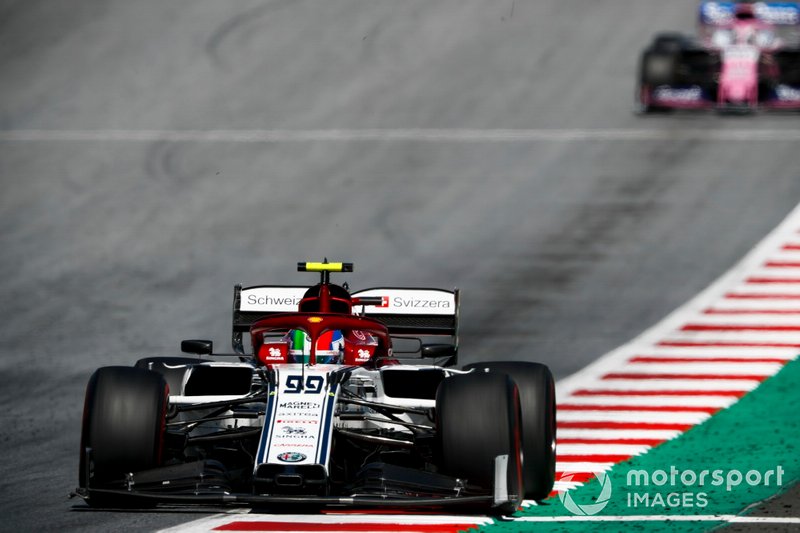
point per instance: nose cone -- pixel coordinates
(738, 89)
(737, 93)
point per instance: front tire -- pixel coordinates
(478, 419)
(538, 399)
(123, 427)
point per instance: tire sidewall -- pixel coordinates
(123, 423)
(538, 404)
(478, 419)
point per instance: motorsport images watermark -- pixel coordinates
(668, 489)
(586, 509)
(683, 485)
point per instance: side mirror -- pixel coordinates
(199, 347)
(438, 350)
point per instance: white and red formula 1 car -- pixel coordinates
(322, 410)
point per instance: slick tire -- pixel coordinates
(538, 401)
(123, 428)
(478, 418)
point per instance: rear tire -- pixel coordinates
(538, 400)
(124, 418)
(478, 418)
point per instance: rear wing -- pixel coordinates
(415, 312)
(774, 13)
(415, 317)
(251, 304)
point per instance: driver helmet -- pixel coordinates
(721, 38)
(330, 347)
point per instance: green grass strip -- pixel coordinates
(757, 434)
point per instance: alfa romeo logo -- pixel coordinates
(587, 509)
(291, 457)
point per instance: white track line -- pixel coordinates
(558, 486)
(616, 434)
(745, 320)
(743, 352)
(566, 450)
(718, 402)
(757, 305)
(427, 135)
(768, 289)
(710, 368)
(736, 337)
(782, 260)
(581, 467)
(646, 385)
(660, 417)
(774, 272)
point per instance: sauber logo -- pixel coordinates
(275, 352)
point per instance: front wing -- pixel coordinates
(782, 96)
(382, 485)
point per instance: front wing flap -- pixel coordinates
(381, 485)
(781, 96)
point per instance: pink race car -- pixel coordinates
(746, 57)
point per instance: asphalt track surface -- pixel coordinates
(116, 246)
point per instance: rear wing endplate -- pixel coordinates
(251, 304)
(413, 312)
